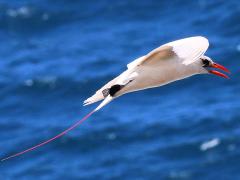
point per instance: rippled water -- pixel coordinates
(56, 53)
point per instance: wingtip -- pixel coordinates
(201, 39)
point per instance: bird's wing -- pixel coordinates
(186, 51)
(190, 49)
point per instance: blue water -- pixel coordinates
(56, 53)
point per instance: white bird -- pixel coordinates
(170, 62)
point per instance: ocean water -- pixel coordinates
(56, 53)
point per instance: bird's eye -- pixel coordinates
(205, 62)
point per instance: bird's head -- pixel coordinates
(207, 63)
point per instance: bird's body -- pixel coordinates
(170, 62)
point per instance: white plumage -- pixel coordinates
(170, 62)
(190, 49)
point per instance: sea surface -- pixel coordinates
(56, 53)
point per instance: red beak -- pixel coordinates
(218, 66)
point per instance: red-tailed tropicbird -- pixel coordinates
(170, 62)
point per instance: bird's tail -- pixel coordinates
(107, 100)
(51, 139)
(94, 98)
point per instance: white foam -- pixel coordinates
(238, 47)
(29, 82)
(22, 11)
(12, 13)
(210, 144)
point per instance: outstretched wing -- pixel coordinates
(189, 49)
(186, 51)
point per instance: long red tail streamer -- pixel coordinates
(52, 139)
